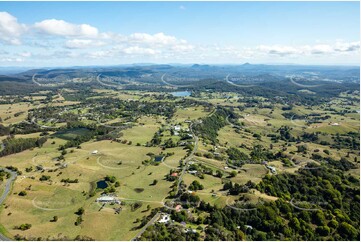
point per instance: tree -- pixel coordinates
(234, 154)
(195, 185)
(23, 226)
(44, 178)
(79, 220)
(55, 219)
(319, 218)
(227, 185)
(219, 174)
(233, 173)
(22, 193)
(348, 232)
(111, 179)
(323, 230)
(80, 211)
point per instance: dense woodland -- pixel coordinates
(332, 197)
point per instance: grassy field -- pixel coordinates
(250, 172)
(7, 112)
(191, 113)
(53, 197)
(143, 132)
(50, 198)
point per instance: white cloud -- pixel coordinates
(11, 59)
(346, 47)
(100, 54)
(182, 48)
(10, 29)
(319, 49)
(63, 40)
(62, 28)
(181, 7)
(156, 39)
(278, 50)
(25, 54)
(83, 43)
(136, 50)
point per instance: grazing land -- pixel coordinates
(101, 159)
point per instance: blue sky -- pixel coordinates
(93, 33)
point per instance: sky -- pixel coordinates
(39, 34)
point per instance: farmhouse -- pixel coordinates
(272, 169)
(248, 227)
(108, 199)
(174, 174)
(177, 128)
(190, 230)
(95, 152)
(165, 219)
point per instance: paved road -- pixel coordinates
(305, 209)
(107, 85)
(189, 157)
(6, 193)
(172, 85)
(155, 218)
(33, 79)
(45, 85)
(302, 85)
(233, 125)
(8, 184)
(236, 85)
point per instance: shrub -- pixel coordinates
(22, 193)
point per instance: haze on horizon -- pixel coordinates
(113, 33)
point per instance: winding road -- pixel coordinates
(189, 157)
(156, 216)
(172, 85)
(302, 85)
(104, 84)
(236, 85)
(6, 193)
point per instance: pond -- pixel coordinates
(158, 158)
(181, 94)
(102, 184)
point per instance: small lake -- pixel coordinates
(181, 94)
(102, 184)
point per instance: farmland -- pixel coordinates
(160, 153)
